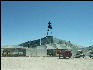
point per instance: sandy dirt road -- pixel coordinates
(45, 63)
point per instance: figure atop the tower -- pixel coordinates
(49, 28)
(49, 25)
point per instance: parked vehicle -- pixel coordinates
(90, 54)
(64, 53)
(79, 54)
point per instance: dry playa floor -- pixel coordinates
(45, 63)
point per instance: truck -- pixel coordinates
(64, 54)
(79, 54)
(90, 54)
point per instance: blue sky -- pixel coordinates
(22, 21)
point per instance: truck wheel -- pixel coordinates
(90, 56)
(69, 56)
(64, 57)
(59, 56)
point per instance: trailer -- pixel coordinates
(64, 53)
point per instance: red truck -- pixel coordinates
(64, 53)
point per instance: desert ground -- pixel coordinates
(46, 63)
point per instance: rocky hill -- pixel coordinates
(53, 43)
